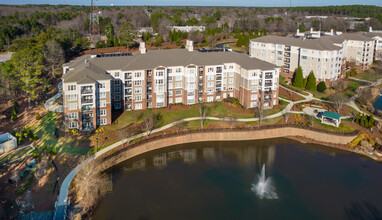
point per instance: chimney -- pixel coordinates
(142, 47)
(311, 30)
(298, 32)
(331, 32)
(93, 55)
(370, 29)
(189, 45)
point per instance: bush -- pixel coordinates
(321, 87)
(13, 115)
(38, 116)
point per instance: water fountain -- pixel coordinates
(264, 187)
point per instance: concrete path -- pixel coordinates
(50, 106)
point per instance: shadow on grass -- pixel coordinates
(45, 131)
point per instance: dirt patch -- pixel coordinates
(289, 95)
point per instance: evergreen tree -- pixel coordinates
(263, 32)
(363, 120)
(98, 45)
(240, 41)
(321, 87)
(127, 34)
(311, 84)
(305, 82)
(170, 35)
(298, 79)
(116, 41)
(371, 121)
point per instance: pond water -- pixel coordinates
(269, 179)
(378, 103)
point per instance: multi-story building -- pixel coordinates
(96, 84)
(327, 54)
(377, 36)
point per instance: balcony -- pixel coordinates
(219, 70)
(128, 77)
(219, 78)
(149, 91)
(149, 98)
(218, 85)
(87, 118)
(86, 91)
(286, 60)
(149, 83)
(87, 109)
(268, 76)
(287, 48)
(129, 93)
(87, 100)
(287, 54)
(268, 84)
(128, 84)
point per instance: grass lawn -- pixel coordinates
(16, 154)
(45, 131)
(341, 128)
(234, 47)
(369, 76)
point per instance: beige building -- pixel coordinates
(157, 78)
(327, 54)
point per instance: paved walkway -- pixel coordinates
(50, 106)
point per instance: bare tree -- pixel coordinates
(232, 121)
(89, 184)
(180, 125)
(286, 117)
(54, 55)
(339, 100)
(152, 120)
(203, 109)
(259, 113)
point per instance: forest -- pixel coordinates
(46, 36)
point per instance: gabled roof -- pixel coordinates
(96, 67)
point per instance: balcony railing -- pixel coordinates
(86, 91)
(219, 78)
(149, 91)
(269, 77)
(87, 109)
(268, 84)
(128, 84)
(87, 100)
(129, 93)
(287, 54)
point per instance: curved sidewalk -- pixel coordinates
(55, 107)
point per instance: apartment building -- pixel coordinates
(157, 78)
(327, 54)
(377, 36)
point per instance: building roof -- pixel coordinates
(95, 68)
(322, 43)
(315, 44)
(330, 114)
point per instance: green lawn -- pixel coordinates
(369, 76)
(45, 131)
(16, 154)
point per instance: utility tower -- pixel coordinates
(94, 28)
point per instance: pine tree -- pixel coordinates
(240, 41)
(371, 121)
(298, 79)
(305, 82)
(116, 41)
(321, 87)
(311, 84)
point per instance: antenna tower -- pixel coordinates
(94, 19)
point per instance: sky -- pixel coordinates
(243, 3)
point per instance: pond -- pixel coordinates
(266, 179)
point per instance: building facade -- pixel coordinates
(95, 85)
(327, 54)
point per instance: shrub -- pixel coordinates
(38, 116)
(13, 115)
(321, 87)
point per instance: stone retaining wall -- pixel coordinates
(227, 136)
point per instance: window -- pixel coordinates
(190, 93)
(230, 80)
(117, 105)
(71, 87)
(274, 102)
(137, 82)
(138, 106)
(210, 69)
(117, 98)
(72, 97)
(231, 74)
(103, 121)
(253, 88)
(304, 57)
(73, 124)
(170, 101)
(116, 74)
(254, 74)
(178, 85)
(117, 90)
(102, 94)
(191, 86)
(230, 67)
(254, 97)
(138, 74)
(160, 104)
(210, 99)
(169, 70)
(210, 84)
(178, 99)
(102, 103)
(159, 73)
(102, 112)
(170, 85)
(253, 104)
(169, 93)
(230, 88)
(138, 98)
(117, 82)
(160, 89)
(178, 70)
(72, 106)
(210, 92)
(274, 94)
(138, 90)
(178, 78)
(169, 78)
(72, 115)
(178, 92)
(102, 85)
(210, 77)
(159, 81)
(191, 79)
(191, 71)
